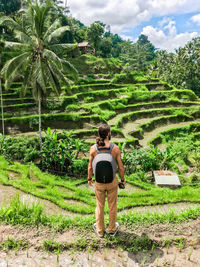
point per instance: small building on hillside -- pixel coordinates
(85, 48)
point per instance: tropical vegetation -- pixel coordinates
(150, 98)
(38, 51)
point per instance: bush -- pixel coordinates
(60, 155)
(22, 148)
(129, 77)
(146, 159)
(80, 167)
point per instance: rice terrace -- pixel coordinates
(59, 81)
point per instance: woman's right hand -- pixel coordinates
(90, 182)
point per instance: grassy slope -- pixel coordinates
(88, 64)
(52, 190)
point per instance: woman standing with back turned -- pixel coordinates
(103, 162)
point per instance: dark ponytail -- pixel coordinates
(103, 133)
(100, 141)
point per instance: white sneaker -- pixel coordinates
(117, 228)
(95, 229)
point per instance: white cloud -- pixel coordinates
(128, 38)
(196, 19)
(167, 37)
(128, 13)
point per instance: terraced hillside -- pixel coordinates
(144, 112)
(137, 112)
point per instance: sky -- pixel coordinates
(169, 24)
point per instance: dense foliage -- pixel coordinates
(180, 68)
(138, 55)
(64, 155)
(187, 160)
(38, 47)
(22, 148)
(99, 35)
(60, 153)
(147, 159)
(9, 7)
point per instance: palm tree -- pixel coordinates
(1, 93)
(2, 114)
(39, 50)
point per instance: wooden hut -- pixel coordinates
(84, 48)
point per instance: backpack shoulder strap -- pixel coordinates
(97, 150)
(106, 150)
(111, 147)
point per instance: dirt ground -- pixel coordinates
(188, 255)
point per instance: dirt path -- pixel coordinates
(150, 135)
(178, 254)
(115, 119)
(165, 208)
(133, 126)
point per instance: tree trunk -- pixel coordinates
(40, 123)
(2, 115)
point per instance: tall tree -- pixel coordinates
(147, 45)
(2, 112)
(9, 6)
(138, 54)
(1, 92)
(105, 47)
(38, 50)
(94, 34)
(181, 68)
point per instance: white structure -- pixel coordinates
(166, 178)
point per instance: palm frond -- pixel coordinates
(8, 82)
(50, 77)
(35, 90)
(68, 67)
(51, 29)
(17, 46)
(57, 33)
(58, 73)
(40, 17)
(27, 78)
(50, 55)
(60, 48)
(23, 37)
(40, 77)
(14, 64)
(10, 23)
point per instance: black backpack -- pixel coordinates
(104, 165)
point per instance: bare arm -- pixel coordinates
(90, 171)
(119, 163)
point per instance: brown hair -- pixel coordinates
(103, 133)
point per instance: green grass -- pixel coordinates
(91, 106)
(52, 190)
(12, 244)
(193, 127)
(149, 113)
(18, 213)
(60, 120)
(89, 64)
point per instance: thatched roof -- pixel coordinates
(84, 44)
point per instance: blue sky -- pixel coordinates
(183, 24)
(169, 24)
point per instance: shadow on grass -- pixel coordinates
(141, 249)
